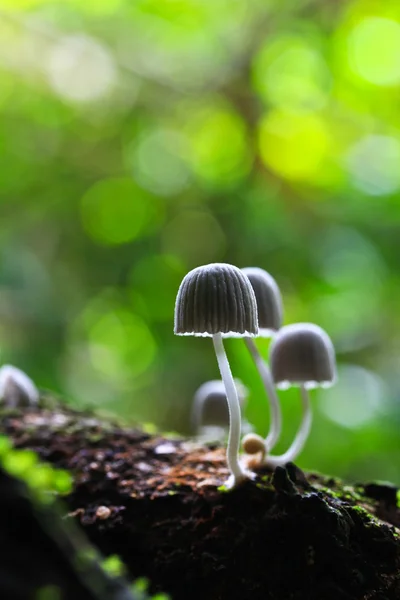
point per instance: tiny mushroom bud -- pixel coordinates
(16, 388)
(253, 444)
(217, 301)
(269, 309)
(303, 355)
(210, 414)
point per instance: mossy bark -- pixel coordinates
(157, 503)
(44, 558)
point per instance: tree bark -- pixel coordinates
(156, 503)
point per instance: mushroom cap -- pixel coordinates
(16, 388)
(302, 354)
(268, 298)
(253, 443)
(210, 406)
(216, 298)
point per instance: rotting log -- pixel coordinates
(157, 503)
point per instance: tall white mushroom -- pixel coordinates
(270, 310)
(217, 301)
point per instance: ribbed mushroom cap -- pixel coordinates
(216, 298)
(302, 353)
(268, 298)
(210, 401)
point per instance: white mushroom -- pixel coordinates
(16, 388)
(217, 301)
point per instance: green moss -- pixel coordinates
(84, 558)
(42, 479)
(329, 492)
(93, 438)
(223, 488)
(149, 428)
(350, 493)
(5, 446)
(361, 511)
(114, 566)
(261, 486)
(368, 518)
(140, 585)
(48, 592)
(345, 492)
(19, 463)
(9, 411)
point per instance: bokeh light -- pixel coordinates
(290, 73)
(373, 163)
(97, 7)
(294, 146)
(219, 150)
(111, 350)
(195, 237)
(80, 69)
(355, 273)
(357, 399)
(22, 5)
(374, 50)
(117, 211)
(120, 344)
(156, 280)
(157, 162)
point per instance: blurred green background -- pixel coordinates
(141, 138)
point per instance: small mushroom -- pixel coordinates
(217, 301)
(302, 355)
(269, 300)
(16, 388)
(269, 309)
(252, 443)
(210, 414)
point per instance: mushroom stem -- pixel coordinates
(195, 418)
(274, 406)
(301, 436)
(232, 451)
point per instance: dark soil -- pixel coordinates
(43, 557)
(155, 502)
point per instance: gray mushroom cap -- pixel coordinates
(302, 354)
(216, 298)
(209, 403)
(16, 387)
(268, 298)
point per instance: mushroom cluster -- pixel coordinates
(220, 300)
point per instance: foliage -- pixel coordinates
(141, 139)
